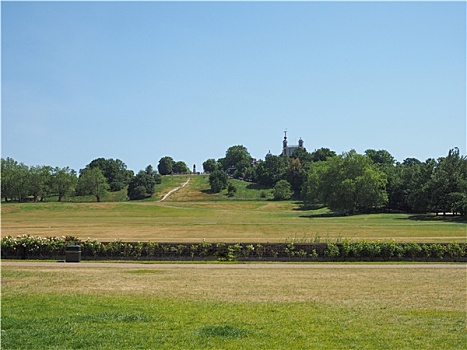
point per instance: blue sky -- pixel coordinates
(139, 81)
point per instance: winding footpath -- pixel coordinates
(175, 189)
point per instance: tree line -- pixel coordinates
(22, 183)
(352, 182)
(345, 183)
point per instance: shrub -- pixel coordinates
(332, 251)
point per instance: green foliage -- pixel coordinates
(322, 155)
(218, 181)
(231, 189)
(210, 165)
(351, 182)
(63, 182)
(271, 170)
(27, 247)
(165, 166)
(180, 167)
(237, 160)
(332, 251)
(92, 182)
(282, 190)
(142, 185)
(114, 170)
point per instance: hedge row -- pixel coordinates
(32, 247)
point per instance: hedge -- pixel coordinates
(34, 247)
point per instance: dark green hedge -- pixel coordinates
(30, 247)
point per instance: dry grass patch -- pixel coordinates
(442, 289)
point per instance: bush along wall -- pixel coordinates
(31, 247)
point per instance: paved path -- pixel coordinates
(175, 189)
(132, 265)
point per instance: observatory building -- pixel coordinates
(288, 150)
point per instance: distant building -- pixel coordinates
(288, 150)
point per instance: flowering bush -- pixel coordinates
(34, 247)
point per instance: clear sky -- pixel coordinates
(139, 81)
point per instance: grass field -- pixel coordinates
(85, 307)
(192, 214)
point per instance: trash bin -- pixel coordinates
(73, 253)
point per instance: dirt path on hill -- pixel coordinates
(175, 189)
(133, 265)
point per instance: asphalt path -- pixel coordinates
(132, 265)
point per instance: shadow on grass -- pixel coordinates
(255, 186)
(306, 207)
(441, 218)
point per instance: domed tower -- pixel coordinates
(300, 143)
(284, 144)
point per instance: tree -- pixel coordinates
(153, 173)
(303, 155)
(322, 154)
(295, 174)
(231, 189)
(237, 160)
(63, 181)
(8, 173)
(180, 168)
(141, 186)
(218, 181)
(39, 181)
(381, 157)
(92, 182)
(114, 170)
(209, 165)
(165, 166)
(448, 184)
(271, 170)
(311, 188)
(17, 180)
(386, 163)
(415, 179)
(282, 190)
(351, 182)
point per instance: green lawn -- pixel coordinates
(229, 221)
(192, 214)
(192, 308)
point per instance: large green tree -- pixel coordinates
(209, 165)
(322, 154)
(180, 168)
(165, 166)
(218, 180)
(39, 182)
(9, 170)
(295, 174)
(415, 178)
(115, 172)
(282, 190)
(448, 184)
(237, 160)
(64, 181)
(271, 170)
(351, 182)
(92, 182)
(141, 186)
(310, 192)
